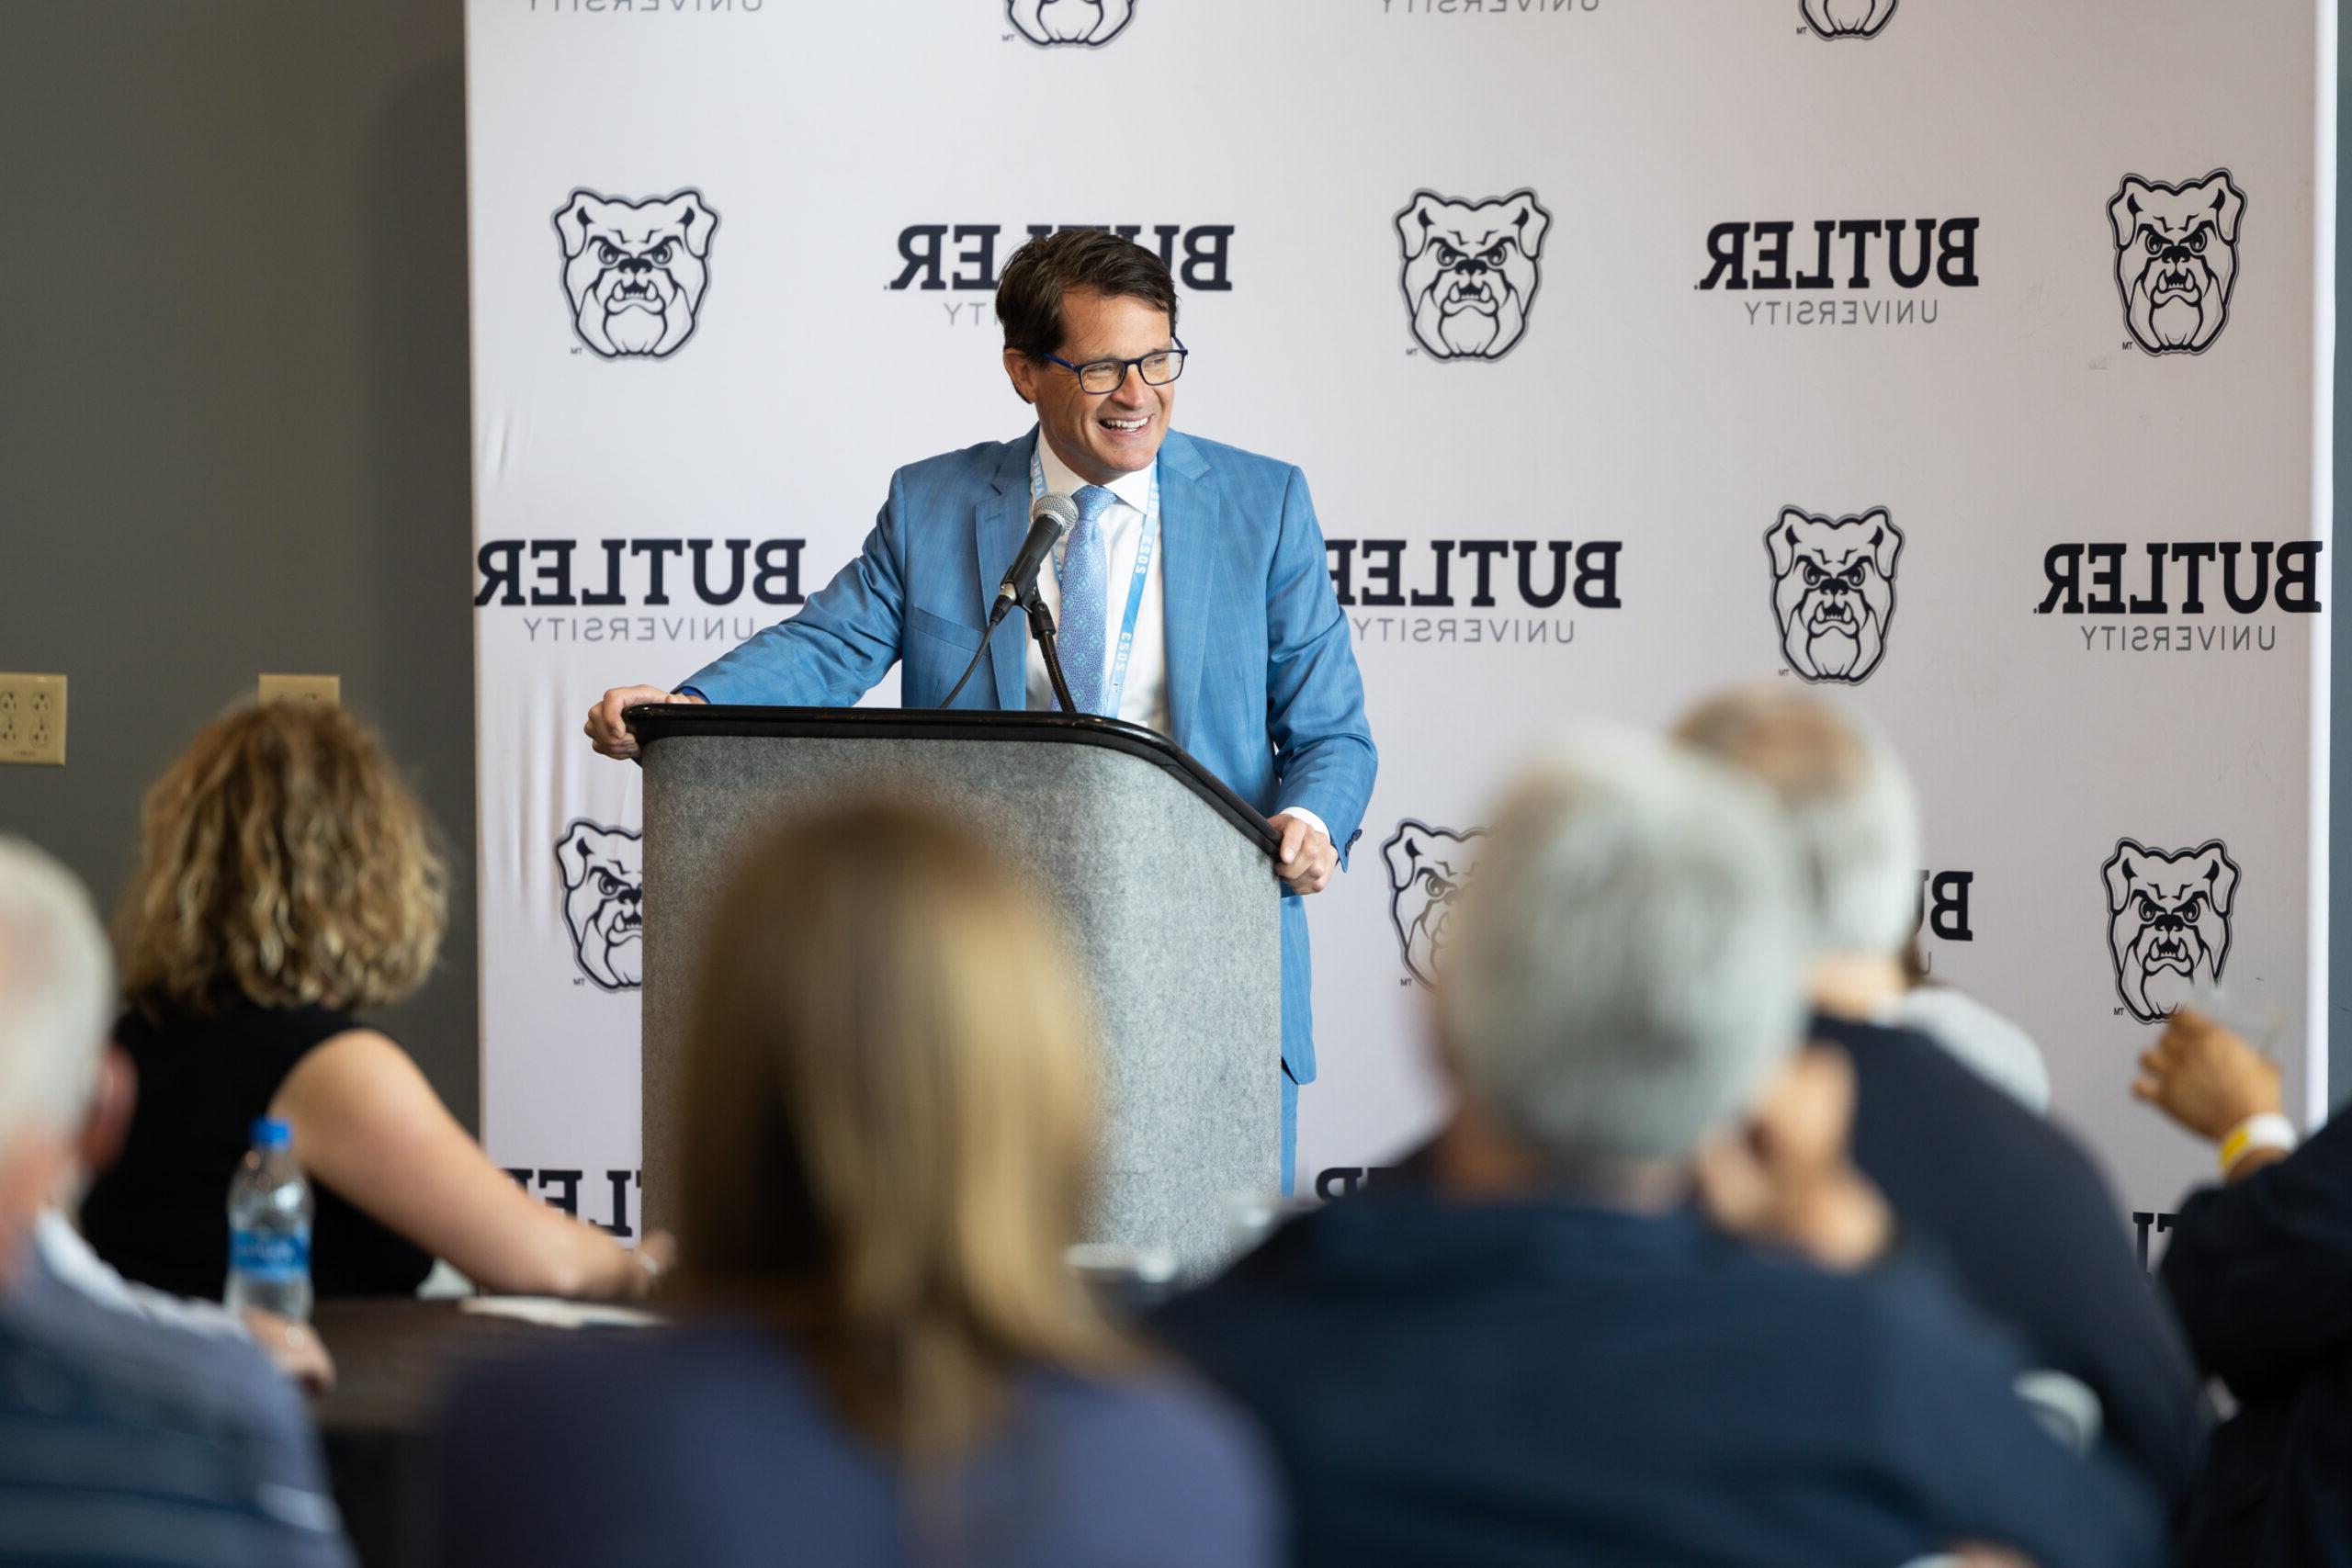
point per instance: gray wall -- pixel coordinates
(233, 413)
(233, 405)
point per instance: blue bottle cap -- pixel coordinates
(271, 1133)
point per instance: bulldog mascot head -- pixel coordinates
(1470, 271)
(2167, 922)
(1833, 590)
(604, 899)
(1428, 868)
(635, 272)
(2176, 259)
(1847, 18)
(1089, 22)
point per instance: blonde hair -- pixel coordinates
(889, 1108)
(282, 860)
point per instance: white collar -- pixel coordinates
(1060, 480)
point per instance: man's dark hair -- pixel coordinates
(1029, 296)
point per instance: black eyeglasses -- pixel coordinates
(1101, 375)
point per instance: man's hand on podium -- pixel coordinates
(605, 729)
(1307, 859)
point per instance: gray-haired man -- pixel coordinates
(121, 1439)
(1640, 1312)
(2013, 1203)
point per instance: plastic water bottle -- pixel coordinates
(269, 1228)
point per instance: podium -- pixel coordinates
(1163, 880)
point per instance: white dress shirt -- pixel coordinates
(1145, 699)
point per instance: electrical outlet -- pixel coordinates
(326, 688)
(32, 720)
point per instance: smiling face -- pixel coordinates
(1117, 432)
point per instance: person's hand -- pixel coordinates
(605, 729)
(2205, 1078)
(295, 1347)
(1785, 1179)
(1307, 859)
(655, 1256)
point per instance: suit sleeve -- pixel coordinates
(1324, 759)
(842, 641)
(2261, 1271)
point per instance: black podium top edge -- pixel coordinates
(652, 722)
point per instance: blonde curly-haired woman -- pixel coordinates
(287, 881)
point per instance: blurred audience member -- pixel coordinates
(2261, 1271)
(890, 1113)
(121, 1439)
(1547, 1353)
(1998, 1051)
(2013, 1203)
(286, 879)
(297, 1350)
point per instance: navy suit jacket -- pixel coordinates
(1539, 1383)
(1262, 687)
(2262, 1273)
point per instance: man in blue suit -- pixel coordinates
(1193, 595)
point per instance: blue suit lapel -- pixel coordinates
(1003, 522)
(1189, 534)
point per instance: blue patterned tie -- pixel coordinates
(1084, 629)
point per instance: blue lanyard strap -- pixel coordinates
(1144, 549)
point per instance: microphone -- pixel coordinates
(1050, 517)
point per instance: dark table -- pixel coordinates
(395, 1361)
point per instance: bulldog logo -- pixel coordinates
(1833, 590)
(2176, 259)
(1847, 18)
(1050, 22)
(635, 272)
(2167, 922)
(1469, 272)
(603, 896)
(1428, 868)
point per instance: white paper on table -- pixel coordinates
(553, 1312)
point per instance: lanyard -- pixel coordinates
(1144, 548)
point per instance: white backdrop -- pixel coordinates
(1650, 416)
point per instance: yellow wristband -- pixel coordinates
(2267, 1131)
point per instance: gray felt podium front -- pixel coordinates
(1163, 879)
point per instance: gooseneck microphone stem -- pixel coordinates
(978, 654)
(1040, 627)
(1050, 517)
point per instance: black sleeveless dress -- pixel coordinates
(160, 1215)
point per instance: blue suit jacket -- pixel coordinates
(1262, 687)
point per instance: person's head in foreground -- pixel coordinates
(1089, 340)
(283, 863)
(56, 1000)
(1643, 1309)
(1624, 991)
(1854, 819)
(889, 1122)
(891, 1100)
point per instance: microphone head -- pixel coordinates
(1060, 508)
